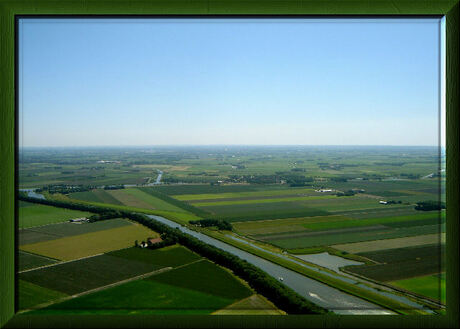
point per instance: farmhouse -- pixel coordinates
(79, 220)
(153, 241)
(383, 202)
(323, 190)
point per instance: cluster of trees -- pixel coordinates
(282, 296)
(114, 187)
(346, 193)
(65, 189)
(339, 179)
(220, 224)
(167, 240)
(410, 176)
(394, 202)
(108, 214)
(430, 205)
(105, 213)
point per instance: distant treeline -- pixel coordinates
(114, 187)
(101, 213)
(220, 224)
(65, 189)
(430, 205)
(282, 296)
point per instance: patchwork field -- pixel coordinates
(28, 261)
(172, 256)
(131, 197)
(198, 288)
(343, 236)
(391, 243)
(402, 263)
(60, 230)
(86, 274)
(37, 215)
(88, 244)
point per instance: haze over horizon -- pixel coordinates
(128, 82)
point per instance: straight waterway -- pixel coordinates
(318, 293)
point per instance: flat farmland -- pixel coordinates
(373, 233)
(37, 215)
(259, 211)
(402, 263)
(97, 195)
(197, 288)
(131, 197)
(172, 256)
(369, 246)
(207, 277)
(283, 225)
(247, 194)
(86, 274)
(31, 295)
(60, 230)
(264, 200)
(433, 286)
(28, 261)
(192, 189)
(402, 254)
(88, 244)
(141, 297)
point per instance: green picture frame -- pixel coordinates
(10, 10)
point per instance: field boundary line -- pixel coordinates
(142, 276)
(59, 263)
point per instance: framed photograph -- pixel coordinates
(229, 164)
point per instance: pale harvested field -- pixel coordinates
(375, 245)
(129, 200)
(253, 305)
(283, 225)
(84, 245)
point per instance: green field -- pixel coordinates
(98, 195)
(31, 295)
(401, 263)
(28, 261)
(131, 197)
(433, 286)
(172, 256)
(206, 277)
(60, 230)
(37, 215)
(86, 274)
(197, 288)
(326, 238)
(89, 244)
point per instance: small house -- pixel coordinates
(383, 202)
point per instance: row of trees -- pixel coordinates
(65, 189)
(220, 224)
(430, 205)
(282, 296)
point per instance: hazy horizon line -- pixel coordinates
(227, 145)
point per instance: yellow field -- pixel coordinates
(78, 246)
(390, 243)
(253, 305)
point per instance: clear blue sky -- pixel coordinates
(228, 81)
